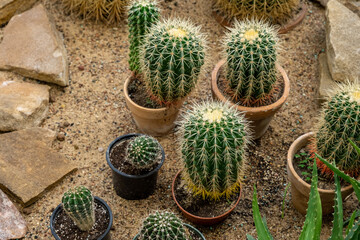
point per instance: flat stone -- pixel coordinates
(22, 105)
(28, 166)
(327, 84)
(342, 42)
(12, 224)
(10, 7)
(34, 48)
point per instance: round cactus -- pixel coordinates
(275, 11)
(162, 226)
(251, 52)
(171, 59)
(141, 16)
(143, 151)
(110, 11)
(78, 204)
(339, 122)
(213, 139)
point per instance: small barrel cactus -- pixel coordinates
(339, 122)
(141, 16)
(213, 139)
(143, 151)
(171, 59)
(275, 11)
(78, 204)
(251, 52)
(163, 226)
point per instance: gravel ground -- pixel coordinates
(94, 107)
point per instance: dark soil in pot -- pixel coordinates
(200, 207)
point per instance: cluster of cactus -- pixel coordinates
(142, 14)
(78, 203)
(214, 138)
(340, 121)
(171, 59)
(275, 11)
(143, 151)
(110, 11)
(163, 226)
(251, 52)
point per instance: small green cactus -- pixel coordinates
(213, 139)
(142, 14)
(275, 11)
(251, 53)
(163, 226)
(339, 122)
(171, 59)
(143, 151)
(78, 204)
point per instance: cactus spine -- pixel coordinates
(339, 122)
(143, 151)
(251, 53)
(171, 59)
(163, 226)
(274, 11)
(213, 139)
(142, 15)
(78, 204)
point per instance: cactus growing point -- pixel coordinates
(143, 151)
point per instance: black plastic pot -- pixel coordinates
(191, 228)
(105, 236)
(133, 187)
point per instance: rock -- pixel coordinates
(10, 7)
(326, 82)
(342, 42)
(22, 105)
(61, 136)
(12, 224)
(34, 48)
(28, 166)
(354, 6)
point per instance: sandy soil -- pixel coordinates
(94, 106)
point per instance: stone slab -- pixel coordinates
(28, 166)
(327, 84)
(9, 8)
(34, 48)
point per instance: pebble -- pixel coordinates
(61, 136)
(81, 68)
(100, 149)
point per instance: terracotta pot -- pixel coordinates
(155, 122)
(205, 221)
(300, 190)
(260, 117)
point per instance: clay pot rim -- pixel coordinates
(252, 110)
(296, 176)
(123, 138)
(215, 219)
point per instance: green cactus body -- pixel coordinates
(163, 226)
(142, 15)
(338, 123)
(171, 59)
(251, 52)
(213, 139)
(143, 151)
(78, 204)
(275, 11)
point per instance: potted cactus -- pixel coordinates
(171, 59)
(166, 225)
(248, 78)
(337, 123)
(81, 216)
(213, 138)
(135, 160)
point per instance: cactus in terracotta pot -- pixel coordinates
(143, 151)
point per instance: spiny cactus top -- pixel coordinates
(78, 204)
(171, 59)
(163, 226)
(142, 15)
(275, 11)
(143, 151)
(251, 52)
(340, 121)
(213, 139)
